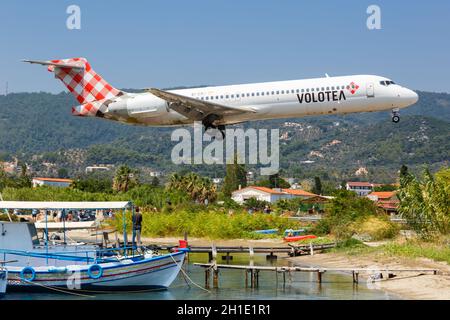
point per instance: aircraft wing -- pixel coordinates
(196, 109)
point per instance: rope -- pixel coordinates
(57, 289)
(185, 274)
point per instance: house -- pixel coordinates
(51, 182)
(361, 188)
(268, 194)
(386, 200)
(96, 168)
(259, 193)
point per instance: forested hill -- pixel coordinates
(35, 123)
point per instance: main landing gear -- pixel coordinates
(395, 115)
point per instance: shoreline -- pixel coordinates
(405, 285)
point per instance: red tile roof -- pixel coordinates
(263, 189)
(297, 192)
(54, 180)
(383, 194)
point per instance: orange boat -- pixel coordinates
(299, 238)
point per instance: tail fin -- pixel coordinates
(82, 81)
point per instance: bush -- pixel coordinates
(377, 228)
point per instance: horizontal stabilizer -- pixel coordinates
(60, 64)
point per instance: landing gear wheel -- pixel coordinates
(395, 119)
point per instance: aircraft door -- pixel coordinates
(370, 90)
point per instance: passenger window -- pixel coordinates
(297, 91)
(278, 92)
(323, 89)
(253, 94)
(307, 90)
(303, 90)
(221, 97)
(257, 94)
(312, 89)
(227, 96)
(332, 88)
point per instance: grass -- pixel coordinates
(210, 224)
(438, 250)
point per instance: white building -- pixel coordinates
(52, 182)
(156, 173)
(361, 188)
(267, 194)
(97, 168)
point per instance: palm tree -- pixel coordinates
(124, 179)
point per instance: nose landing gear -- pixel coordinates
(395, 115)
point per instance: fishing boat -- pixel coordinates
(292, 232)
(299, 238)
(266, 231)
(43, 264)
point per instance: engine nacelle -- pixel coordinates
(146, 105)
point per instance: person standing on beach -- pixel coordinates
(137, 227)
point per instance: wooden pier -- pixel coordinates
(291, 250)
(252, 272)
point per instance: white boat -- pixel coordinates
(3, 281)
(42, 266)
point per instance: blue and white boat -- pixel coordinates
(79, 266)
(3, 280)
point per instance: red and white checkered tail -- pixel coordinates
(85, 84)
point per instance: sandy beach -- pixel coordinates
(407, 285)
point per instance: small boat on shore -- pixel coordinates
(299, 238)
(41, 265)
(266, 231)
(292, 232)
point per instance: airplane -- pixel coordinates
(218, 106)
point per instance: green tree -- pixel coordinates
(236, 176)
(63, 173)
(155, 181)
(425, 203)
(198, 188)
(317, 189)
(125, 179)
(274, 181)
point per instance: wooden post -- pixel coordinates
(252, 279)
(207, 278)
(311, 248)
(246, 278)
(256, 278)
(355, 276)
(210, 256)
(319, 276)
(216, 278)
(284, 278)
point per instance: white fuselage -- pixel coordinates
(271, 100)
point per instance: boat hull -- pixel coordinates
(3, 281)
(155, 272)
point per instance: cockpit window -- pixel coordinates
(387, 82)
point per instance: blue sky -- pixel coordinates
(137, 44)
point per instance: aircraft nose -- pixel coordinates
(408, 97)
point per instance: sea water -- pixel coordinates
(298, 285)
